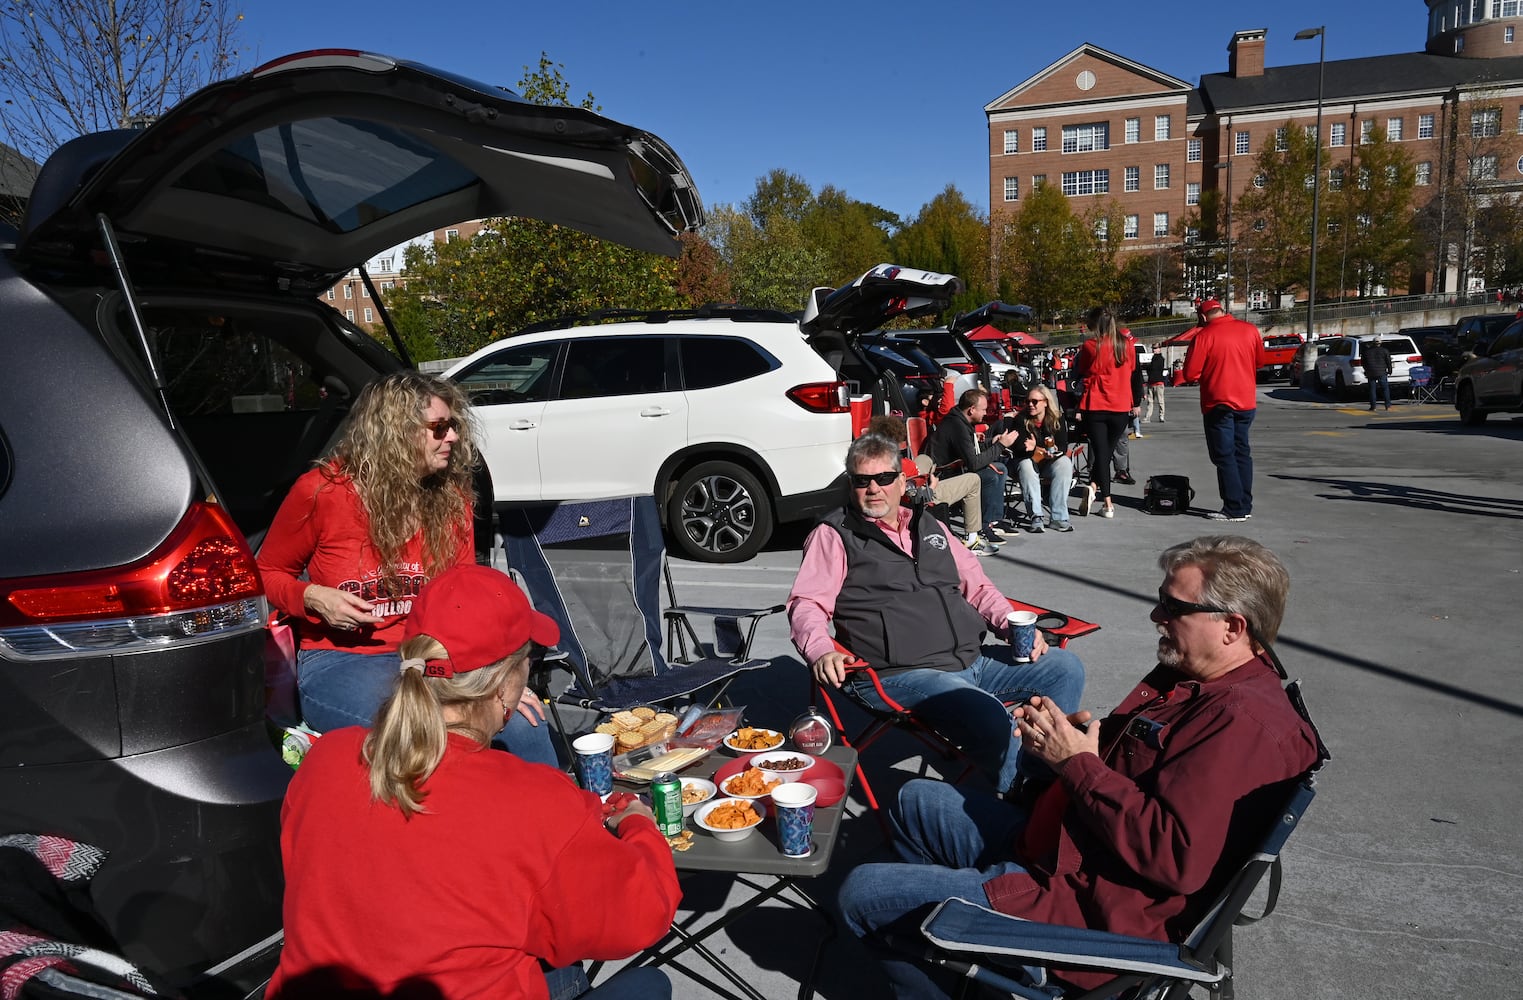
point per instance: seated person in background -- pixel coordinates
(914, 604)
(964, 487)
(955, 441)
(419, 863)
(1153, 808)
(1041, 452)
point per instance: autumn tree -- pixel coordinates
(1274, 215)
(1477, 147)
(853, 235)
(771, 265)
(1372, 206)
(949, 236)
(1043, 249)
(701, 274)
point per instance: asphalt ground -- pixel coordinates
(1403, 533)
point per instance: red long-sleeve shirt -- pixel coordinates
(1224, 358)
(1107, 385)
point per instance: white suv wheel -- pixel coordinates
(719, 513)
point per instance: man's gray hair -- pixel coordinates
(868, 447)
(1241, 575)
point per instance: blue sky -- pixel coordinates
(883, 100)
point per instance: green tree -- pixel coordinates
(950, 236)
(1148, 280)
(1274, 215)
(1374, 211)
(779, 194)
(1043, 250)
(853, 235)
(772, 265)
(546, 84)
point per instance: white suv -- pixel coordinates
(1341, 365)
(727, 416)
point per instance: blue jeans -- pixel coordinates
(1060, 472)
(968, 706)
(991, 484)
(1384, 381)
(952, 842)
(339, 688)
(630, 984)
(1227, 444)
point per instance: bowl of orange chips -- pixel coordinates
(749, 739)
(752, 783)
(729, 820)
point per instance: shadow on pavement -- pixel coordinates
(1417, 497)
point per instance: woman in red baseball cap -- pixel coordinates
(420, 862)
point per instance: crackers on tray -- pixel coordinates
(638, 727)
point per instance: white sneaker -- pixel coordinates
(979, 547)
(1086, 499)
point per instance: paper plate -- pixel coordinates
(825, 775)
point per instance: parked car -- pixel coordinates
(1341, 366)
(1279, 352)
(1492, 383)
(728, 417)
(912, 378)
(957, 356)
(1446, 350)
(1302, 369)
(169, 371)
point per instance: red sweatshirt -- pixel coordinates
(1224, 358)
(509, 863)
(322, 530)
(1107, 385)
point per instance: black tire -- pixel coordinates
(718, 512)
(1470, 416)
(1340, 388)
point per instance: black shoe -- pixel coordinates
(1124, 478)
(1372, 407)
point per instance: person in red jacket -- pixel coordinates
(1224, 358)
(1107, 365)
(1152, 810)
(419, 863)
(357, 537)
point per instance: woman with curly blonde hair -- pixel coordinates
(361, 533)
(419, 863)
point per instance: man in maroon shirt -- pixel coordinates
(1224, 358)
(1152, 809)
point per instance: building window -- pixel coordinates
(1102, 229)
(1132, 181)
(388, 285)
(1425, 126)
(1240, 143)
(1086, 138)
(1391, 174)
(1160, 223)
(1483, 168)
(1134, 130)
(1192, 151)
(1311, 133)
(349, 315)
(1366, 127)
(1259, 180)
(1279, 139)
(1162, 127)
(1520, 120)
(1258, 225)
(1160, 177)
(348, 291)
(1486, 123)
(369, 315)
(1337, 134)
(1192, 233)
(1012, 140)
(1129, 228)
(1424, 173)
(1012, 188)
(1507, 34)
(1192, 192)
(1077, 182)
(1335, 179)
(384, 264)
(365, 291)
(451, 235)
(1038, 180)
(1506, 8)
(330, 295)
(1393, 129)
(1039, 139)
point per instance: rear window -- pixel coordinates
(1282, 341)
(1397, 345)
(712, 361)
(939, 345)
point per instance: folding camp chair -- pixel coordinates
(1423, 387)
(596, 567)
(1059, 629)
(969, 938)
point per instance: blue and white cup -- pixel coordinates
(594, 761)
(794, 805)
(1021, 626)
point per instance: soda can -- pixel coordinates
(666, 803)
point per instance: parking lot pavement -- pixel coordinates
(1403, 534)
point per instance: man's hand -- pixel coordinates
(619, 806)
(832, 667)
(1008, 438)
(1053, 737)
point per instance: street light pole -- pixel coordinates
(1316, 186)
(1228, 167)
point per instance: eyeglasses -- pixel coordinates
(1175, 608)
(439, 428)
(1036, 402)
(860, 480)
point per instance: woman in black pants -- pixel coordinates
(1105, 362)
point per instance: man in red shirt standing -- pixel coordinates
(1224, 358)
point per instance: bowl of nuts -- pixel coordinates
(789, 765)
(695, 792)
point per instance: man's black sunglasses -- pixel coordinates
(859, 480)
(1175, 608)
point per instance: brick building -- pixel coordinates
(1103, 126)
(352, 298)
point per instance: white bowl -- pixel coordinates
(729, 741)
(759, 800)
(761, 760)
(705, 785)
(725, 834)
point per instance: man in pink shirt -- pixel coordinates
(913, 603)
(1224, 358)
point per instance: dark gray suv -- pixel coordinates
(168, 372)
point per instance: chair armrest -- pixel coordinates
(855, 665)
(1056, 623)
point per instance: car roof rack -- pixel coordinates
(709, 310)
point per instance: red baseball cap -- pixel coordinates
(479, 616)
(1207, 305)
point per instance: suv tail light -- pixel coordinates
(201, 581)
(966, 367)
(1414, 359)
(822, 397)
(1356, 363)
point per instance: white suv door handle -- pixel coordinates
(655, 411)
(522, 425)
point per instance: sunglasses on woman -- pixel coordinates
(1036, 402)
(859, 480)
(441, 427)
